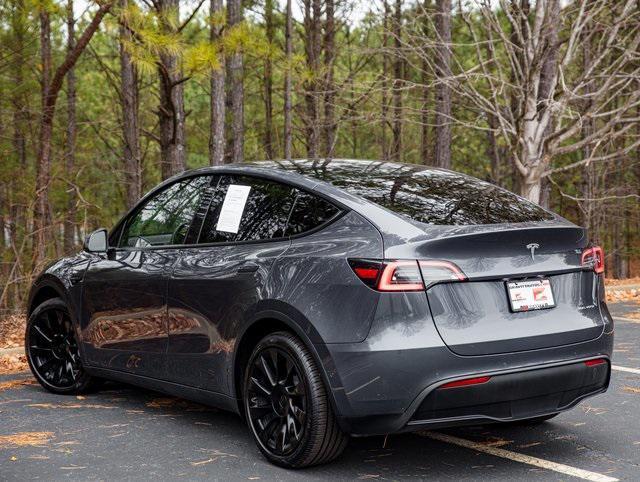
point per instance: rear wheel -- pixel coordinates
(52, 350)
(286, 405)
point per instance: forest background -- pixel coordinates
(101, 100)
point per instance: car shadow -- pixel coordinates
(412, 455)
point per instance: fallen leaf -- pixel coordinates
(631, 389)
(21, 382)
(68, 405)
(202, 462)
(26, 439)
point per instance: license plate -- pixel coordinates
(530, 295)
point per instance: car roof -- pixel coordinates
(325, 170)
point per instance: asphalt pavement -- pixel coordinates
(126, 433)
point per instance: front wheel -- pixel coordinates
(52, 350)
(286, 405)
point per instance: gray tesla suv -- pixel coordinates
(321, 299)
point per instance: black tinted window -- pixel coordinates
(309, 212)
(165, 218)
(423, 194)
(262, 214)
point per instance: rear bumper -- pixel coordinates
(508, 396)
(512, 396)
(389, 383)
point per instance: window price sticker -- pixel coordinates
(232, 208)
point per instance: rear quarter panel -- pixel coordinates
(315, 279)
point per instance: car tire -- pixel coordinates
(287, 407)
(51, 348)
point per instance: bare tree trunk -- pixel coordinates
(18, 219)
(545, 90)
(589, 175)
(425, 156)
(384, 114)
(352, 92)
(70, 154)
(493, 152)
(329, 88)
(50, 91)
(398, 76)
(236, 73)
(217, 100)
(268, 82)
(43, 168)
(442, 150)
(130, 119)
(288, 134)
(171, 109)
(312, 12)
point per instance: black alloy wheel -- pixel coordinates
(52, 349)
(286, 405)
(277, 401)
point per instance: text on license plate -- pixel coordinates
(530, 295)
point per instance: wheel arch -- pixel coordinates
(46, 288)
(270, 321)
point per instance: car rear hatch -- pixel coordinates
(476, 317)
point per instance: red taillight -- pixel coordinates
(597, 361)
(466, 382)
(404, 275)
(368, 270)
(400, 276)
(594, 257)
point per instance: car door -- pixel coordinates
(215, 283)
(123, 321)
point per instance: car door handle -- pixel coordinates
(248, 268)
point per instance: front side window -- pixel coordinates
(166, 217)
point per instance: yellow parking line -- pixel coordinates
(524, 459)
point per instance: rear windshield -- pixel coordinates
(426, 195)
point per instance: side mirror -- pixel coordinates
(97, 242)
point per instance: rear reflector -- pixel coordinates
(594, 257)
(368, 270)
(466, 382)
(597, 361)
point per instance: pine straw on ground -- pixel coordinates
(622, 282)
(11, 336)
(12, 331)
(13, 363)
(617, 293)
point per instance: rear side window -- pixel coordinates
(261, 209)
(309, 212)
(165, 218)
(247, 209)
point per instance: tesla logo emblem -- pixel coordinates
(532, 247)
